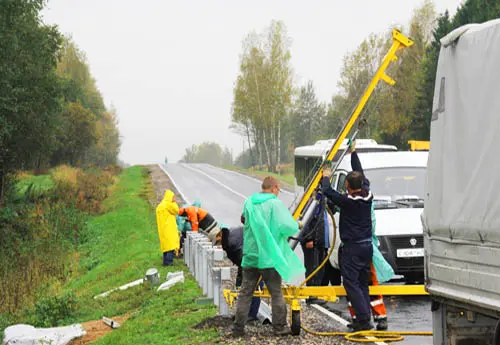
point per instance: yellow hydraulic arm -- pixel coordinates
(399, 41)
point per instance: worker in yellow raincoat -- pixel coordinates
(167, 227)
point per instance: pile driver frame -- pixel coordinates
(303, 211)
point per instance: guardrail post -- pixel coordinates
(209, 263)
(210, 287)
(196, 257)
(216, 254)
(203, 264)
(216, 285)
(192, 237)
(225, 275)
(202, 242)
(186, 249)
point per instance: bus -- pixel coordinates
(308, 159)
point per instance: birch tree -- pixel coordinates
(262, 92)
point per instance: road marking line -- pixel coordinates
(339, 319)
(215, 180)
(250, 177)
(328, 313)
(186, 200)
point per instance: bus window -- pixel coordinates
(305, 168)
(341, 182)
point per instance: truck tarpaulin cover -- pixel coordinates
(462, 207)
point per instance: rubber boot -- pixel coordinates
(382, 325)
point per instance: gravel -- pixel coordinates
(161, 183)
(263, 334)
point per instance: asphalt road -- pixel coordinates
(223, 192)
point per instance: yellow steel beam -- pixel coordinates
(322, 291)
(399, 41)
(330, 293)
(390, 290)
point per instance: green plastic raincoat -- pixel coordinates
(167, 227)
(268, 224)
(383, 269)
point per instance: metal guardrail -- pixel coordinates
(206, 264)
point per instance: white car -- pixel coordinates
(397, 181)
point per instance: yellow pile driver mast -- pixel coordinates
(307, 204)
(399, 41)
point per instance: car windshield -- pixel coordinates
(400, 186)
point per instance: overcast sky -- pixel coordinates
(169, 66)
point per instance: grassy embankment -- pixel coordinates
(122, 245)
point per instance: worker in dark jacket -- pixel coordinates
(378, 265)
(232, 243)
(355, 228)
(313, 242)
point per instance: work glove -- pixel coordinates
(352, 145)
(327, 172)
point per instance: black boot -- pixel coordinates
(382, 324)
(364, 325)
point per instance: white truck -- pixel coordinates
(461, 217)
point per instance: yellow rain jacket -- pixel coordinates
(167, 224)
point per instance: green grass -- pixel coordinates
(123, 245)
(40, 183)
(288, 178)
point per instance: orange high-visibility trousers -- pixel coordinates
(376, 302)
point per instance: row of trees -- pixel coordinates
(208, 152)
(275, 116)
(51, 111)
(263, 93)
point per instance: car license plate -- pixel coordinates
(410, 252)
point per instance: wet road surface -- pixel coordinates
(405, 313)
(223, 192)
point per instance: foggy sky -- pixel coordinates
(169, 66)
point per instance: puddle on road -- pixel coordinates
(410, 313)
(405, 313)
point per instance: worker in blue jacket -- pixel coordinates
(380, 270)
(355, 228)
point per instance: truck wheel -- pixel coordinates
(295, 328)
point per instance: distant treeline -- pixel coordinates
(208, 152)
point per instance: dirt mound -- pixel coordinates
(257, 334)
(97, 329)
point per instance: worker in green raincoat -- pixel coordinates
(266, 253)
